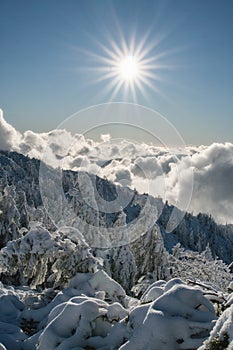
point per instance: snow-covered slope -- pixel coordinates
(21, 203)
(85, 279)
(94, 312)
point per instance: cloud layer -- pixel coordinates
(156, 170)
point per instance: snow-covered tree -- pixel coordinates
(194, 266)
(40, 258)
(10, 218)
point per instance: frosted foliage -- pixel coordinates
(10, 218)
(150, 254)
(196, 266)
(41, 257)
(120, 264)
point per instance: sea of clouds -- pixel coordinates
(148, 168)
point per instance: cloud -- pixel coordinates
(147, 167)
(123, 176)
(105, 137)
(213, 182)
(212, 169)
(157, 170)
(9, 137)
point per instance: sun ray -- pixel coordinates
(116, 89)
(129, 66)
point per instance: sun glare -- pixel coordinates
(129, 68)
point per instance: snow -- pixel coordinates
(42, 257)
(95, 311)
(230, 286)
(152, 294)
(90, 284)
(58, 292)
(174, 320)
(223, 328)
(211, 165)
(195, 266)
(79, 322)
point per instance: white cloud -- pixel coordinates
(213, 182)
(9, 137)
(105, 137)
(212, 169)
(146, 167)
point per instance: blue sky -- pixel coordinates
(45, 73)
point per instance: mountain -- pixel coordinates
(87, 264)
(22, 206)
(21, 194)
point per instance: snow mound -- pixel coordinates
(180, 318)
(78, 322)
(221, 337)
(10, 311)
(98, 284)
(78, 317)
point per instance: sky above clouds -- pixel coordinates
(51, 53)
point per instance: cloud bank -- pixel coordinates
(148, 168)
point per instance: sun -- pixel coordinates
(129, 69)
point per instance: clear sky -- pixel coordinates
(47, 72)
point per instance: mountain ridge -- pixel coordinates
(21, 204)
